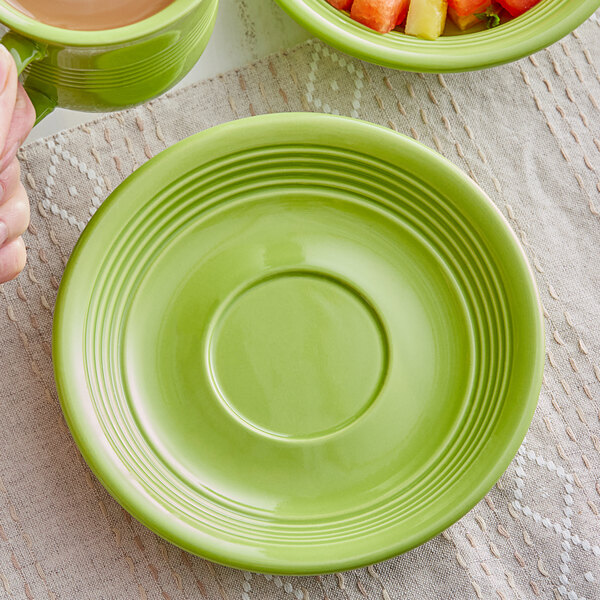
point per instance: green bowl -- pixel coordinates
(541, 26)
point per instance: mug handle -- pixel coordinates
(25, 51)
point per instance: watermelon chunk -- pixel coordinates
(403, 12)
(341, 4)
(468, 7)
(517, 7)
(380, 15)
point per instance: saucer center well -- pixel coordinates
(298, 355)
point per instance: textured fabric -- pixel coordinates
(529, 134)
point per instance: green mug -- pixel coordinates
(111, 69)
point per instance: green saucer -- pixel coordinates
(298, 343)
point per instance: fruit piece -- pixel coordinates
(465, 8)
(480, 12)
(426, 18)
(517, 7)
(462, 22)
(380, 15)
(403, 13)
(341, 4)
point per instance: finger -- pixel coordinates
(12, 260)
(8, 94)
(14, 216)
(23, 118)
(10, 179)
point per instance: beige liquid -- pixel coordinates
(89, 15)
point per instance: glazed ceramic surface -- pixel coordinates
(112, 69)
(298, 343)
(539, 27)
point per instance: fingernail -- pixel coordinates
(3, 233)
(5, 66)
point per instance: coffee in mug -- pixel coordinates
(89, 15)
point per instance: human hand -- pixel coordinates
(17, 117)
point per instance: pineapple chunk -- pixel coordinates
(426, 18)
(463, 22)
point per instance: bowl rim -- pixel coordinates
(69, 326)
(541, 26)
